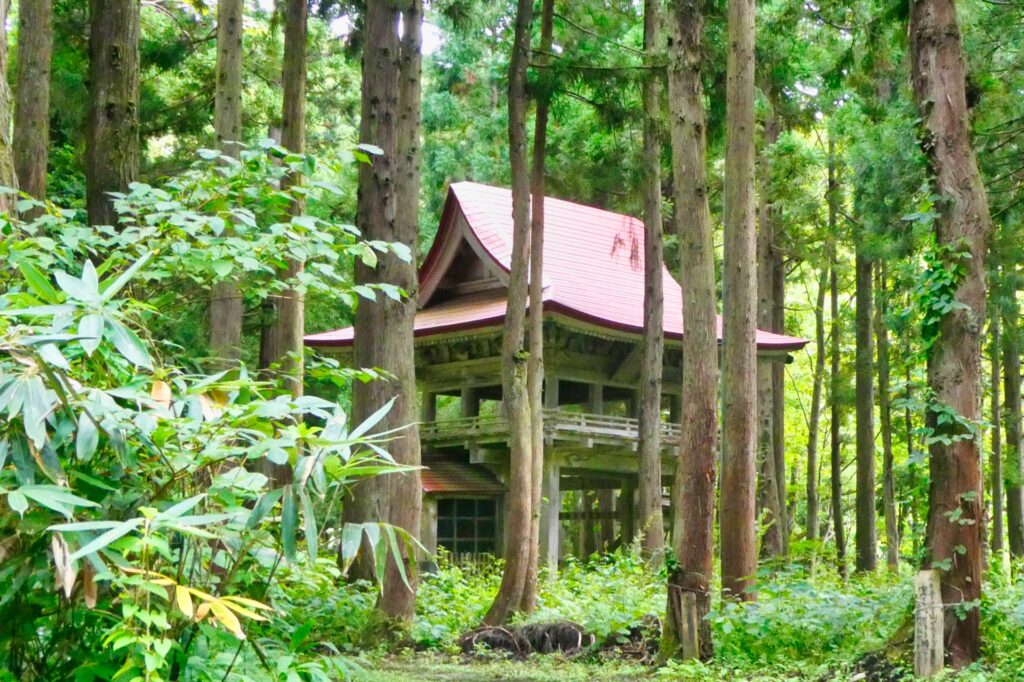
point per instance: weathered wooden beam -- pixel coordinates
(628, 371)
(470, 401)
(928, 625)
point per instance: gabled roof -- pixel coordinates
(593, 269)
(459, 477)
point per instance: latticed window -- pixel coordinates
(466, 525)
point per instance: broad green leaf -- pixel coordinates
(372, 420)
(90, 329)
(112, 288)
(128, 344)
(289, 522)
(263, 506)
(309, 517)
(17, 502)
(87, 438)
(59, 499)
(180, 508)
(105, 539)
(39, 283)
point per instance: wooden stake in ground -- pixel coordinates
(954, 360)
(928, 646)
(739, 307)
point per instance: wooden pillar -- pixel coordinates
(428, 528)
(470, 401)
(627, 511)
(675, 408)
(595, 402)
(428, 412)
(606, 509)
(551, 494)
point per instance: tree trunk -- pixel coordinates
(1013, 471)
(7, 175)
(769, 505)
(383, 327)
(652, 528)
(112, 141)
(535, 366)
(739, 303)
(892, 533)
(998, 532)
(32, 96)
(866, 535)
(778, 386)
(815, 416)
(954, 361)
(225, 309)
(693, 494)
(835, 416)
(513, 355)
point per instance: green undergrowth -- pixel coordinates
(804, 626)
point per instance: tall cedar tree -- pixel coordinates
(693, 495)
(814, 420)
(112, 139)
(769, 502)
(225, 309)
(7, 176)
(514, 357)
(866, 540)
(383, 327)
(835, 350)
(32, 96)
(535, 366)
(1014, 433)
(652, 525)
(954, 361)
(892, 533)
(739, 303)
(995, 418)
(289, 323)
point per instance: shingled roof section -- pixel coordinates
(459, 478)
(593, 269)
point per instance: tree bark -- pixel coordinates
(7, 174)
(769, 504)
(513, 354)
(778, 386)
(866, 535)
(814, 424)
(112, 141)
(535, 366)
(693, 494)
(1013, 469)
(892, 532)
(225, 309)
(954, 360)
(32, 96)
(739, 303)
(384, 327)
(998, 530)
(652, 528)
(835, 409)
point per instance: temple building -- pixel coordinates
(593, 321)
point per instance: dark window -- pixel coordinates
(466, 525)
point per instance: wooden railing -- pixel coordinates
(558, 425)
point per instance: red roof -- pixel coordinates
(593, 269)
(458, 477)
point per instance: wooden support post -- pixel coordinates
(675, 408)
(551, 507)
(595, 402)
(606, 509)
(470, 401)
(551, 494)
(627, 512)
(428, 529)
(928, 626)
(428, 412)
